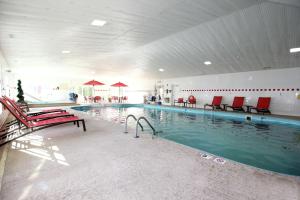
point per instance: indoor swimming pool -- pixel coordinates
(264, 142)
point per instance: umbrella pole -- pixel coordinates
(93, 94)
(119, 94)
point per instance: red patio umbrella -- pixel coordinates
(93, 83)
(119, 85)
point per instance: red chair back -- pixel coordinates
(15, 113)
(238, 102)
(180, 100)
(217, 101)
(192, 99)
(263, 102)
(14, 105)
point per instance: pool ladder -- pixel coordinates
(139, 124)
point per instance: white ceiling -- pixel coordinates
(143, 36)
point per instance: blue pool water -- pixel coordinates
(265, 144)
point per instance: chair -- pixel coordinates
(216, 103)
(35, 117)
(47, 111)
(27, 127)
(115, 99)
(179, 101)
(237, 104)
(23, 106)
(263, 105)
(97, 99)
(90, 99)
(33, 126)
(124, 99)
(192, 101)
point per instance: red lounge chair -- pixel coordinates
(13, 103)
(216, 103)
(97, 99)
(39, 112)
(125, 99)
(24, 106)
(34, 126)
(237, 104)
(36, 117)
(90, 99)
(192, 101)
(179, 101)
(116, 99)
(263, 105)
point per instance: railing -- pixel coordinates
(32, 97)
(128, 116)
(138, 122)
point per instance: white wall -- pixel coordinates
(285, 82)
(3, 76)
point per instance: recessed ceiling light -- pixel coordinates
(295, 50)
(97, 22)
(65, 51)
(161, 70)
(207, 63)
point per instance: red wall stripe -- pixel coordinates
(242, 89)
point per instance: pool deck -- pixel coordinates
(63, 162)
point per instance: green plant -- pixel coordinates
(20, 92)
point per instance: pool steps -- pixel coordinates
(132, 116)
(146, 120)
(139, 124)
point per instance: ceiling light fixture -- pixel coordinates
(207, 63)
(161, 69)
(295, 50)
(97, 22)
(65, 51)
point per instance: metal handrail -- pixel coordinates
(126, 131)
(137, 123)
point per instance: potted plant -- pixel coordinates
(20, 93)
